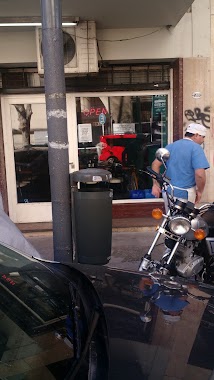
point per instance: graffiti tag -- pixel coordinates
(198, 116)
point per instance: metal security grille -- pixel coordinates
(14, 80)
(138, 74)
(110, 77)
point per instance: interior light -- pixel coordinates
(34, 24)
(21, 24)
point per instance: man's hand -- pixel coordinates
(156, 190)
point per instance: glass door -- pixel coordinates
(26, 156)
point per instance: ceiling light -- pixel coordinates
(33, 21)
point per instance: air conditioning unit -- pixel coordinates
(80, 48)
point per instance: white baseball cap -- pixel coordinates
(196, 128)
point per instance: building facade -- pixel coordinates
(138, 90)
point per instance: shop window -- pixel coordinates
(121, 134)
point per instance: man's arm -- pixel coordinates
(200, 180)
(156, 190)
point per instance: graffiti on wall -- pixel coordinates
(198, 116)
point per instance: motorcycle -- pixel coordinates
(188, 234)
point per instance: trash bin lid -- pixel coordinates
(91, 175)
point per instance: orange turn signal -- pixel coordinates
(199, 234)
(157, 213)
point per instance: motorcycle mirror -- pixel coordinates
(162, 154)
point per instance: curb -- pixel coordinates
(134, 229)
(114, 230)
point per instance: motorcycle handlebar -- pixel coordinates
(160, 178)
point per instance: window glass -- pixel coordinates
(30, 142)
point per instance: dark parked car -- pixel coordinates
(94, 322)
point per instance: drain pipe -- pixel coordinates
(55, 94)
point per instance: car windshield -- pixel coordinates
(11, 258)
(35, 313)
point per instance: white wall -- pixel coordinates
(17, 46)
(154, 43)
(190, 38)
(201, 28)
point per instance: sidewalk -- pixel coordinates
(131, 239)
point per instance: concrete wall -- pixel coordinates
(196, 106)
(18, 46)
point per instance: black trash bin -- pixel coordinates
(92, 216)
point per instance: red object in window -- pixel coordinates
(114, 145)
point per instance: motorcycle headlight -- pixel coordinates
(179, 225)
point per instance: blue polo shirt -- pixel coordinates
(185, 157)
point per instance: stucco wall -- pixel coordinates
(196, 107)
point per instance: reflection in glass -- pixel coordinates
(34, 312)
(30, 141)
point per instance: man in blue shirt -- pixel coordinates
(186, 165)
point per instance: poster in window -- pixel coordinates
(122, 128)
(84, 133)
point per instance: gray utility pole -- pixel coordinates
(55, 94)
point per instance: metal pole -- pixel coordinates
(55, 94)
